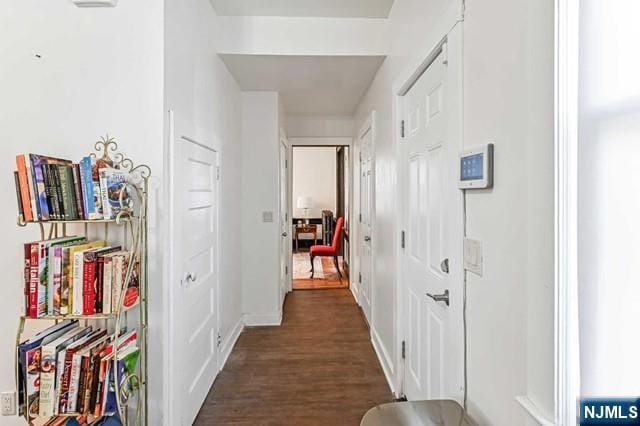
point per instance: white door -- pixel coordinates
(431, 260)
(285, 226)
(196, 207)
(366, 219)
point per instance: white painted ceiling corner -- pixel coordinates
(95, 3)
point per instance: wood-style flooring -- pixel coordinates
(331, 277)
(318, 368)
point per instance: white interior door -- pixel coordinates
(285, 227)
(366, 219)
(431, 260)
(196, 207)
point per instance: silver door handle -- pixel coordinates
(284, 234)
(367, 238)
(444, 297)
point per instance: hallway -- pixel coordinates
(319, 367)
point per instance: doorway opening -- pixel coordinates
(319, 220)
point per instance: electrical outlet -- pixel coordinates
(8, 403)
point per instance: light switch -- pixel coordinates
(267, 216)
(473, 260)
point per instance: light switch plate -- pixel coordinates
(267, 216)
(473, 260)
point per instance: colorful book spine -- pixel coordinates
(34, 284)
(24, 188)
(89, 283)
(77, 284)
(78, 191)
(107, 284)
(88, 190)
(41, 195)
(49, 189)
(35, 207)
(58, 191)
(19, 197)
(26, 276)
(54, 290)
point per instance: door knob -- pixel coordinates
(444, 297)
(367, 238)
(444, 266)
(284, 234)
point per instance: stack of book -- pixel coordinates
(51, 188)
(68, 369)
(74, 276)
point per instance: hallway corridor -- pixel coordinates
(318, 368)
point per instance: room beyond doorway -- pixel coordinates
(320, 209)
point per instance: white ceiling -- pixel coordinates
(309, 85)
(310, 8)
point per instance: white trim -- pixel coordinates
(566, 349)
(385, 361)
(258, 320)
(534, 411)
(230, 342)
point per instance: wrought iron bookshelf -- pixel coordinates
(131, 224)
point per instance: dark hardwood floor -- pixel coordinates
(318, 368)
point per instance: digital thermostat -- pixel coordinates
(476, 168)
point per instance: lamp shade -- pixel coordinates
(304, 202)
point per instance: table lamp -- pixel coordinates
(305, 203)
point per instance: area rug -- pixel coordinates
(325, 275)
(302, 267)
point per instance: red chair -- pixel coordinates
(333, 250)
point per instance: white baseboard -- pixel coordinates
(230, 341)
(253, 320)
(354, 292)
(385, 360)
(534, 411)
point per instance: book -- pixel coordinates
(126, 366)
(37, 162)
(76, 275)
(78, 191)
(58, 191)
(100, 293)
(49, 187)
(132, 287)
(108, 281)
(44, 286)
(25, 198)
(35, 207)
(114, 192)
(29, 356)
(26, 274)
(19, 197)
(78, 378)
(48, 366)
(90, 290)
(95, 177)
(120, 263)
(60, 359)
(64, 398)
(88, 197)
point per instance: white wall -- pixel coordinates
(508, 100)
(608, 180)
(314, 175)
(260, 176)
(272, 35)
(206, 102)
(100, 71)
(319, 126)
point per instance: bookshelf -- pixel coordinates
(128, 228)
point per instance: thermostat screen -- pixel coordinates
(471, 167)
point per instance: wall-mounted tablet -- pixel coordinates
(476, 167)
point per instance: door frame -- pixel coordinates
(451, 44)
(355, 239)
(170, 364)
(287, 207)
(566, 333)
